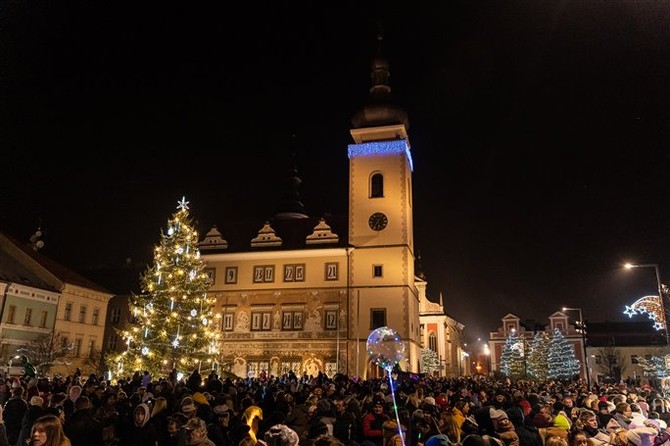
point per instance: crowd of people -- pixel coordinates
(406, 410)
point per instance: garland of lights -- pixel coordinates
(650, 305)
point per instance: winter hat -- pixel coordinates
(147, 413)
(200, 398)
(525, 407)
(641, 436)
(429, 400)
(561, 422)
(281, 435)
(498, 414)
(637, 420)
(220, 409)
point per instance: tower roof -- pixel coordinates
(380, 111)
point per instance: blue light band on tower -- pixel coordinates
(382, 148)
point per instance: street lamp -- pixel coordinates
(582, 329)
(660, 292)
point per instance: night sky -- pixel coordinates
(539, 133)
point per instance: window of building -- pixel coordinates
(82, 313)
(294, 273)
(377, 318)
(377, 185)
(113, 340)
(377, 270)
(11, 313)
(28, 316)
(228, 320)
(261, 321)
(331, 271)
(76, 348)
(331, 319)
(432, 341)
(264, 274)
(68, 311)
(96, 315)
(634, 359)
(91, 348)
(291, 320)
(43, 319)
(116, 315)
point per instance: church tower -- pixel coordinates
(381, 226)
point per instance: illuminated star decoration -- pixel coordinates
(183, 204)
(650, 305)
(175, 343)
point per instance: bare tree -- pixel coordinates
(46, 351)
(611, 362)
(95, 362)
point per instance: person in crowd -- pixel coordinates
(142, 432)
(588, 424)
(48, 431)
(108, 415)
(528, 434)
(393, 436)
(68, 405)
(504, 428)
(14, 411)
(83, 428)
(3, 431)
(345, 427)
(35, 410)
(577, 438)
(281, 435)
(622, 414)
(176, 435)
(196, 433)
(373, 421)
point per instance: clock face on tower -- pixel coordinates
(378, 221)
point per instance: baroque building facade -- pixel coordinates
(302, 294)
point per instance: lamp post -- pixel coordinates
(660, 292)
(582, 329)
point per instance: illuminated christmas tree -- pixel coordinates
(512, 356)
(561, 362)
(173, 318)
(538, 355)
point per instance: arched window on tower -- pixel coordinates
(432, 341)
(376, 185)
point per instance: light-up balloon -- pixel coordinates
(385, 347)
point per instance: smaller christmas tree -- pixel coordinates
(429, 361)
(174, 324)
(562, 363)
(512, 356)
(537, 357)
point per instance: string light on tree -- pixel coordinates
(169, 328)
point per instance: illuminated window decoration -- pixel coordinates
(650, 305)
(194, 312)
(381, 148)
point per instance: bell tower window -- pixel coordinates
(376, 185)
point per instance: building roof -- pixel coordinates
(20, 263)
